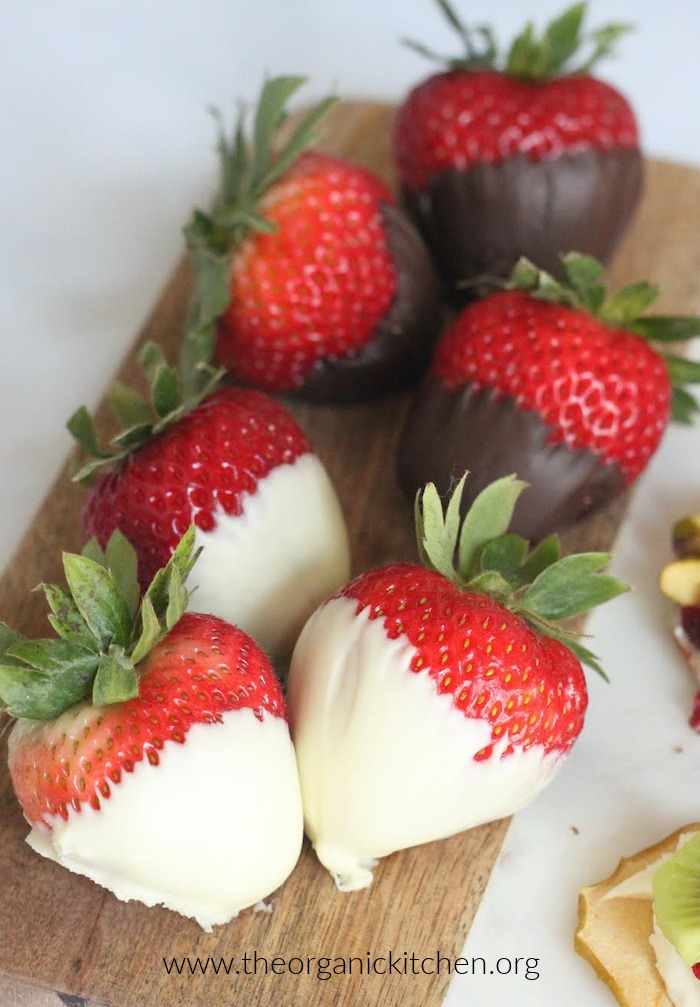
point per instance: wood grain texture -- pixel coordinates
(60, 932)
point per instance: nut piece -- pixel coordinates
(686, 537)
(680, 581)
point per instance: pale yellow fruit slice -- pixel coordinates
(613, 934)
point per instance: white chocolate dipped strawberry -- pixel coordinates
(234, 462)
(151, 750)
(424, 702)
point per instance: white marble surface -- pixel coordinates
(107, 145)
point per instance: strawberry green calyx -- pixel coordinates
(141, 419)
(584, 290)
(103, 631)
(479, 554)
(530, 57)
(247, 170)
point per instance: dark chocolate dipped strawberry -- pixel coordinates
(556, 383)
(311, 280)
(524, 154)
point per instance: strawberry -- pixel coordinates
(427, 701)
(522, 155)
(555, 382)
(136, 726)
(310, 280)
(235, 463)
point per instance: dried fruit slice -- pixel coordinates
(676, 887)
(613, 933)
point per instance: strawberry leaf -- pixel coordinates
(505, 555)
(682, 371)
(562, 37)
(55, 657)
(66, 619)
(82, 428)
(570, 587)
(150, 631)
(99, 600)
(116, 679)
(543, 556)
(129, 408)
(122, 561)
(684, 406)
(488, 517)
(29, 693)
(493, 584)
(439, 531)
(667, 328)
(629, 303)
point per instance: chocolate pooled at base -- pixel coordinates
(481, 220)
(450, 432)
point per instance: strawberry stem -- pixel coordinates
(529, 57)
(247, 170)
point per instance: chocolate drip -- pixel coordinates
(450, 432)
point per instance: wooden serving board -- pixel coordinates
(60, 932)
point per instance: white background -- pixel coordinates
(106, 146)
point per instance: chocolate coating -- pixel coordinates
(481, 220)
(449, 432)
(399, 351)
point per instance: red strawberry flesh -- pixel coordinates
(597, 388)
(211, 459)
(202, 669)
(318, 286)
(457, 119)
(529, 688)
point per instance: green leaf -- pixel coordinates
(571, 586)
(99, 600)
(94, 551)
(129, 408)
(543, 556)
(505, 555)
(183, 559)
(604, 41)
(151, 631)
(122, 562)
(54, 656)
(493, 584)
(629, 303)
(439, 531)
(668, 328)
(82, 428)
(488, 517)
(8, 639)
(682, 371)
(582, 271)
(128, 440)
(29, 693)
(563, 37)
(269, 116)
(302, 137)
(116, 679)
(177, 599)
(165, 391)
(684, 407)
(151, 358)
(523, 53)
(66, 619)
